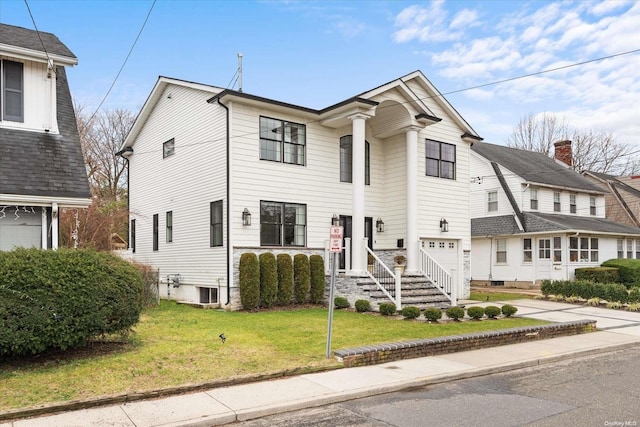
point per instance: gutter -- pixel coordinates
(229, 253)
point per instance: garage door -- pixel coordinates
(445, 252)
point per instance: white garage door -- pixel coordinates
(445, 252)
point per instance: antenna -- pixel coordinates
(239, 72)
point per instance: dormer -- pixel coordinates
(28, 70)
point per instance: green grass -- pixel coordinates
(176, 344)
(497, 296)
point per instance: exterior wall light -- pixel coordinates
(444, 225)
(335, 220)
(246, 217)
(380, 225)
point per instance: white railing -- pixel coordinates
(328, 259)
(438, 275)
(387, 281)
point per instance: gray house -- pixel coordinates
(41, 163)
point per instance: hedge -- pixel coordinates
(301, 279)
(628, 270)
(476, 312)
(598, 274)
(268, 279)
(492, 311)
(62, 299)
(387, 309)
(341, 302)
(611, 292)
(432, 314)
(318, 283)
(362, 306)
(249, 281)
(410, 312)
(285, 279)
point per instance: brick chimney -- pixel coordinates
(563, 152)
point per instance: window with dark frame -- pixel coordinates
(440, 159)
(346, 160)
(155, 232)
(282, 224)
(584, 249)
(282, 141)
(533, 199)
(12, 93)
(132, 241)
(527, 250)
(168, 148)
(215, 221)
(169, 226)
(592, 205)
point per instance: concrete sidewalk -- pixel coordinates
(236, 403)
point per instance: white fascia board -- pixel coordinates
(564, 188)
(36, 55)
(24, 200)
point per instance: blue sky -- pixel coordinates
(317, 53)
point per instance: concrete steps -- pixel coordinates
(416, 291)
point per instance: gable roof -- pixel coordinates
(26, 42)
(44, 164)
(535, 168)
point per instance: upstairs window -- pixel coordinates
(169, 226)
(533, 199)
(492, 201)
(155, 232)
(346, 160)
(12, 93)
(168, 148)
(556, 202)
(592, 205)
(441, 159)
(572, 203)
(282, 141)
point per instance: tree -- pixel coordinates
(596, 151)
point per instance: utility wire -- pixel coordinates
(49, 61)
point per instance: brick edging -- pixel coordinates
(372, 355)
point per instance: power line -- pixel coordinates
(49, 61)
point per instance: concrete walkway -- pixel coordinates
(225, 405)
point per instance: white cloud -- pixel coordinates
(424, 24)
(349, 28)
(602, 8)
(465, 17)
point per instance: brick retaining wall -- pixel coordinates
(372, 355)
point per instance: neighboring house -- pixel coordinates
(215, 173)
(535, 218)
(622, 198)
(41, 163)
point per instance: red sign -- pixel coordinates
(336, 235)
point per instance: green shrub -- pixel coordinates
(455, 313)
(362, 305)
(341, 302)
(387, 309)
(634, 295)
(410, 312)
(150, 279)
(492, 311)
(597, 274)
(508, 310)
(432, 314)
(301, 279)
(285, 279)
(61, 299)
(586, 290)
(614, 292)
(628, 270)
(318, 283)
(249, 281)
(476, 312)
(268, 279)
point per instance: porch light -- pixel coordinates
(444, 225)
(246, 217)
(335, 220)
(380, 225)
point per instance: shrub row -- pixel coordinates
(612, 292)
(628, 271)
(267, 280)
(62, 299)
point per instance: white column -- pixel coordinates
(54, 226)
(412, 200)
(357, 212)
(44, 228)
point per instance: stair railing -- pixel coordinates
(438, 275)
(384, 278)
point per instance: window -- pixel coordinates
(629, 248)
(282, 141)
(637, 248)
(584, 249)
(492, 201)
(168, 148)
(282, 224)
(155, 232)
(557, 249)
(544, 249)
(501, 250)
(556, 201)
(215, 224)
(208, 295)
(132, 240)
(572, 203)
(533, 199)
(592, 205)
(12, 94)
(441, 159)
(169, 224)
(527, 250)
(346, 160)
(620, 244)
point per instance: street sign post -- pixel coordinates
(335, 247)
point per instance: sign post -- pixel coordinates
(335, 247)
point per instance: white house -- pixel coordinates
(41, 163)
(215, 173)
(534, 218)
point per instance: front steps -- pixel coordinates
(417, 291)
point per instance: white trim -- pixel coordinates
(63, 202)
(36, 55)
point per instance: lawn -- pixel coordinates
(177, 344)
(497, 296)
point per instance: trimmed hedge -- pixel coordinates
(362, 305)
(508, 310)
(634, 296)
(476, 312)
(285, 279)
(318, 283)
(387, 309)
(301, 279)
(628, 270)
(410, 312)
(492, 311)
(432, 314)
(611, 292)
(341, 302)
(62, 299)
(268, 279)
(249, 281)
(455, 313)
(598, 274)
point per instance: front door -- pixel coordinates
(346, 222)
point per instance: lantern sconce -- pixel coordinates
(444, 225)
(335, 220)
(380, 225)
(246, 217)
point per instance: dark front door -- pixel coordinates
(346, 222)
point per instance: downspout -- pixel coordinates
(229, 253)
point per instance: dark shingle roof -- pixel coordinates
(43, 164)
(28, 39)
(534, 167)
(494, 226)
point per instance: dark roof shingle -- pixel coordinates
(28, 39)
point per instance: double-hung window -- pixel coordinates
(583, 249)
(282, 141)
(132, 241)
(441, 159)
(12, 90)
(629, 248)
(215, 224)
(501, 251)
(533, 199)
(592, 205)
(556, 201)
(283, 224)
(169, 226)
(155, 232)
(527, 250)
(492, 201)
(557, 249)
(572, 203)
(346, 160)
(620, 246)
